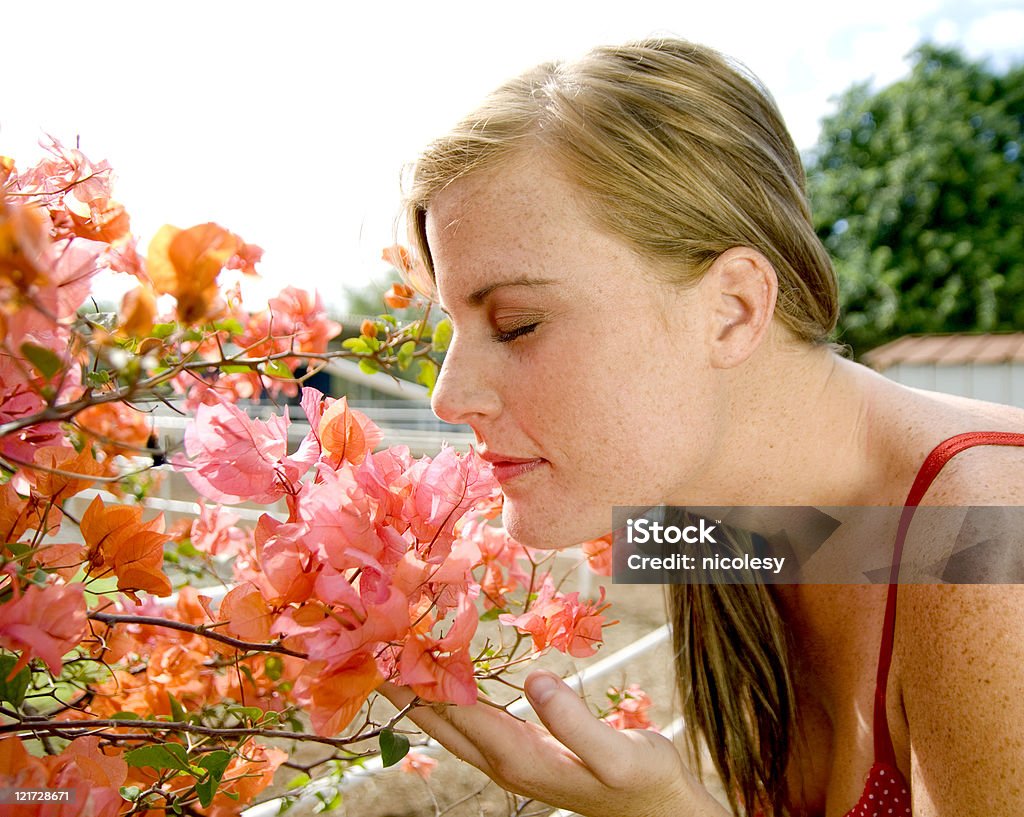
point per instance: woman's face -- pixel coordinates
(584, 378)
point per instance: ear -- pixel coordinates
(743, 288)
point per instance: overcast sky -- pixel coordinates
(289, 122)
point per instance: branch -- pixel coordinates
(145, 388)
(197, 629)
(71, 728)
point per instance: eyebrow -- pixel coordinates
(478, 296)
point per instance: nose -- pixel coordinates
(465, 391)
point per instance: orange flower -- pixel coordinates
(76, 470)
(412, 270)
(119, 541)
(111, 423)
(399, 296)
(24, 241)
(334, 699)
(186, 263)
(107, 222)
(138, 311)
(246, 613)
(347, 434)
(246, 776)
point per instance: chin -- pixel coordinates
(547, 531)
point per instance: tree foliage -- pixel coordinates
(917, 191)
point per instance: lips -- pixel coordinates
(507, 468)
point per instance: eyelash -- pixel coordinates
(518, 332)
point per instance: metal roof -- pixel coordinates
(949, 350)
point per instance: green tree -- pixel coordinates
(918, 192)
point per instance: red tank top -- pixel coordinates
(886, 792)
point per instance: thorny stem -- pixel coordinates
(94, 727)
(198, 629)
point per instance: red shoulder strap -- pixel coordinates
(939, 456)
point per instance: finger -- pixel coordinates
(434, 722)
(608, 753)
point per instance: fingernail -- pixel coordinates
(541, 687)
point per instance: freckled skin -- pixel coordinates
(628, 390)
(563, 392)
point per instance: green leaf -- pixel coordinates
(298, 781)
(442, 336)
(163, 330)
(98, 379)
(231, 326)
(177, 710)
(492, 614)
(276, 368)
(427, 374)
(45, 361)
(215, 763)
(130, 792)
(126, 716)
(206, 789)
(405, 353)
(389, 318)
(368, 366)
(162, 756)
(357, 345)
(235, 369)
(251, 713)
(393, 747)
(273, 667)
(13, 691)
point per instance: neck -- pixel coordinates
(795, 431)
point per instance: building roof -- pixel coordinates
(949, 350)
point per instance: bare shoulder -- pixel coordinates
(983, 474)
(960, 653)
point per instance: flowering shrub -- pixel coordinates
(121, 679)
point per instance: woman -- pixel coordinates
(642, 314)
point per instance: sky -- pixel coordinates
(289, 123)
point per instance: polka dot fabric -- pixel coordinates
(886, 794)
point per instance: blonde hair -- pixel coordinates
(679, 153)
(682, 155)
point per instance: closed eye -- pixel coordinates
(512, 334)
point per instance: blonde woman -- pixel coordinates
(642, 314)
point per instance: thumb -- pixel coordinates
(568, 719)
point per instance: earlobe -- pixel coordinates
(743, 289)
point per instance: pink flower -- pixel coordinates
(599, 555)
(419, 763)
(629, 708)
(439, 669)
(214, 532)
(561, 621)
(43, 623)
(443, 490)
(346, 626)
(233, 458)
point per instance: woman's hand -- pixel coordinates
(577, 762)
